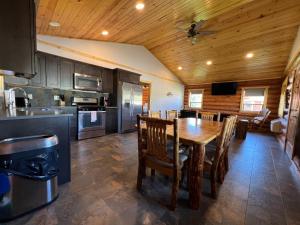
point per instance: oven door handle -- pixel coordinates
(83, 112)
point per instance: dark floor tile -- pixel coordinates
(261, 187)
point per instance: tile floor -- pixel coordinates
(262, 187)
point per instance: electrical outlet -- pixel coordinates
(30, 97)
(56, 98)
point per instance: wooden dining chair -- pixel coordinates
(153, 114)
(207, 116)
(171, 114)
(224, 163)
(213, 158)
(156, 155)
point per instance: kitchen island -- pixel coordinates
(37, 121)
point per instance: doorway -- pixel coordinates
(146, 97)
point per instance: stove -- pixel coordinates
(90, 118)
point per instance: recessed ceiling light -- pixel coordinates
(249, 55)
(54, 24)
(209, 63)
(104, 33)
(179, 68)
(140, 6)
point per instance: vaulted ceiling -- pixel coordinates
(266, 28)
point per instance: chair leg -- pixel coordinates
(226, 162)
(141, 173)
(175, 188)
(183, 173)
(153, 172)
(213, 183)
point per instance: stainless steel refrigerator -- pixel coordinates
(131, 105)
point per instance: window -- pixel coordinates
(254, 99)
(196, 99)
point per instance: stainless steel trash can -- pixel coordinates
(28, 169)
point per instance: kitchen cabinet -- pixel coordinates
(66, 74)
(127, 76)
(39, 79)
(107, 81)
(18, 36)
(111, 125)
(52, 71)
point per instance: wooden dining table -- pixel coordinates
(197, 133)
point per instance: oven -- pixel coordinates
(91, 123)
(87, 82)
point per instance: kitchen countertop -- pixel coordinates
(28, 113)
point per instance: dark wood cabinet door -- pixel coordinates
(40, 70)
(52, 71)
(130, 77)
(17, 39)
(107, 81)
(111, 120)
(66, 74)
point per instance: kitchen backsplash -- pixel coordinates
(45, 97)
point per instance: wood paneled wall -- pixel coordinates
(231, 104)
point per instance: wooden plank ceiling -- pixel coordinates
(267, 28)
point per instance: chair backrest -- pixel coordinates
(171, 114)
(207, 116)
(224, 138)
(156, 138)
(262, 117)
(231, 130)
(155, 114)
(263, 112)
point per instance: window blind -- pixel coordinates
(255, 92)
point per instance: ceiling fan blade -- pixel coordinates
(204, 33)
(182, 24)
(199, 24)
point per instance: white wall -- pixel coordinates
(129, 57)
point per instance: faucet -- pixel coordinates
(11, 101)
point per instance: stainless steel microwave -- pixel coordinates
(87, 82)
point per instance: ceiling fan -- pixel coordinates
(194, 30)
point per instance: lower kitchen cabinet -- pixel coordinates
(111, 120)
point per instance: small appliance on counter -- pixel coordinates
(28, 172)
(90, 118)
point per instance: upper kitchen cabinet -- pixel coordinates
(66, 74)
(127, 76)
(52, 71)
(107, 80)
(88, 69)
(18, 37)
(40, 67)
